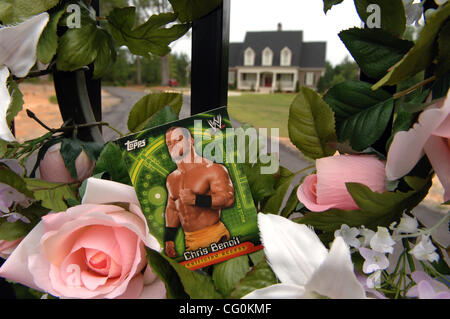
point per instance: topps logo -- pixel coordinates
(132, 145)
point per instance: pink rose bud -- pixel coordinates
(326, 189)
(7, 247)
(53, 169)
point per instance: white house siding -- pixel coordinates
(254, 78)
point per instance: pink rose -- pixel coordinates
(7, 247)
(94, 250)
(326, 189)
(53, 169)
(430, 136)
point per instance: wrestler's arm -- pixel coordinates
(221, 187)
(172, 223)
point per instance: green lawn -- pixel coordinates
(262, 110)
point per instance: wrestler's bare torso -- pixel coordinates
(206, 178)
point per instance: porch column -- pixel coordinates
(238, 83)
(295, 80)
(257, 82)
(274, 81)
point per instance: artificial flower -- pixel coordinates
(373, 260)
(366, 236)
(8, 246)
(53, 169)
(427, 287)
(430, 136)
(349, 235)
(413, 11)
(94, 250)
(407, 225)
(382, 241)
(326, 189)
(374, 280)
(424, 250)
(9, 195)
(18, 46)
(304, 266)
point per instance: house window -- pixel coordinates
(309, 78)
(267, 57)
(285, 57)
(249, 57)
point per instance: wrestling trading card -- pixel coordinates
(192, 190)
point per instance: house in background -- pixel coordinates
(270, 61)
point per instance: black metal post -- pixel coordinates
(70, 89)
(210, 45)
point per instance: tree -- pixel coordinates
(346, 70)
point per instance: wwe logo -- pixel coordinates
(216, 123)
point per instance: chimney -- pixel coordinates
(280, 27)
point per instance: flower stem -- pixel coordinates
(304, 170)
(416, 86)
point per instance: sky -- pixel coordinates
(305, 15)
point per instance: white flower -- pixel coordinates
(425, 250)
(349, 235)
(18, 45)
(413, 11)
(408, 225)
(374, 260)
(303, 265)
(8, 195)
(366, 236)
(374, 280)
(382, 241)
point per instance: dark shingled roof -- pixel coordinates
(313, 55)
(304, 54)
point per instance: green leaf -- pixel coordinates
(261, 186)
(328, 4)
(16, 101)
(228, 273)
(48, 42)
(12, 11)
(70, 150)
(166, 115)
(444, 50)
(143, 111)
(260, 276)
(79, 47)
(366, 127)
(8, 177)
(3, 148)
(13, 231)
(51, 195)
(376, 209)
(196, 284)
(106, 54)
(291, 203)
(150, 37)
(351, 97)
(162, 268)
(273, 204)
(392, 14)
(311, 124)
(190, 10)
(375, 50)
(421, 55)
(111, 162)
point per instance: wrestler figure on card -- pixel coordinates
(198, 191)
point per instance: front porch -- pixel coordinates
(267, 80)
